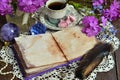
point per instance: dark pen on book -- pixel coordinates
(92, 59)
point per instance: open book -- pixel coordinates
(41, 52)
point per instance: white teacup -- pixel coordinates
(56, 9)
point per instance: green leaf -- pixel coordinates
(81, 8)
(75, 4)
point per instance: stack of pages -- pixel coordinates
(37, 53)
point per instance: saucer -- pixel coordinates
(41, 15)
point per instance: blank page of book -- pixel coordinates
(39, 50)
(73, 42)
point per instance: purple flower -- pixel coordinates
(5, 7)
(98, 2)
(116, 7)
(30, 6)
(91, 26)
(114, 12)
(103, 20)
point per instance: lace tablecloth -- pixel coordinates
(64, 72)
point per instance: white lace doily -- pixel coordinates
(7, 56)
(62, 73)
(65, 72)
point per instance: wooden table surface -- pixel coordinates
(113, 74)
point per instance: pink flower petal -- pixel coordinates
(62, 24)
(72, 18)
(68, 21)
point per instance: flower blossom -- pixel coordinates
(5, 7)
(30, 6)
(98, 2)
(91, 26)
(113, 12)
(103, 20)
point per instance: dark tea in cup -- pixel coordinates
(56, 5)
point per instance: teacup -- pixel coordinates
(56, 9)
